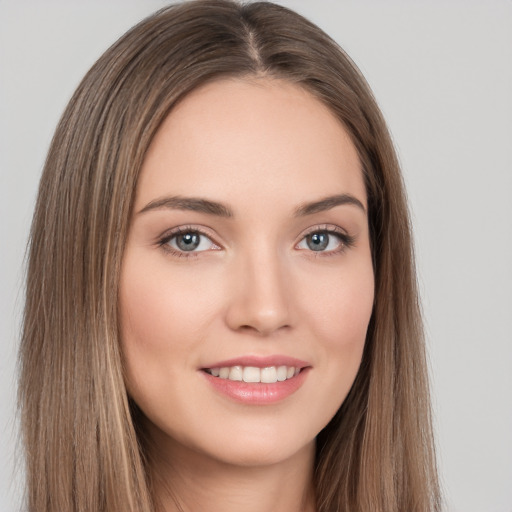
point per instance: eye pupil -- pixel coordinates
(188, 241)
(318, 241)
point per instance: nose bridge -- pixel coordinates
(261, 301)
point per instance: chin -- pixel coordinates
(261, 453)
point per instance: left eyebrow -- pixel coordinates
(327, 203)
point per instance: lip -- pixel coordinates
(258, 393)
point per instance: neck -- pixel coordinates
(190, 482)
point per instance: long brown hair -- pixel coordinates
(82, 441)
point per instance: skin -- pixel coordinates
(263, 148)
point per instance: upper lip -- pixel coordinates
(260, 362)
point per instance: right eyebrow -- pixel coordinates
(196, 204)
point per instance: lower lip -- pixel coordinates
(257, 393)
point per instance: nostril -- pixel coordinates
(262, 329)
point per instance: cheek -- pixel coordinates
(162, 317)
(342, 307)
(339, 318)
(160, 310)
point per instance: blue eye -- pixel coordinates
(325, 241)
(189, 241)
(318, 241)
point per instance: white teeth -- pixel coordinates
(253, 374)
(269, 375)
(236, 373)
(282, 373)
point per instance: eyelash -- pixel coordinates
(167, 237)
(346, 241)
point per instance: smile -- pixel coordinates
(257, 380)
(253, 374)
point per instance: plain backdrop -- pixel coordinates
(442, 73)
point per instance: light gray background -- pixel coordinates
(442, 73)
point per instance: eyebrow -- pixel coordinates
(198, 204)
(195, 204)
(327, 203)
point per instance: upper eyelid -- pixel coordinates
(170, 233)
(331, 228)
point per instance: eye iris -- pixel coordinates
(188, 241)
(318, 241)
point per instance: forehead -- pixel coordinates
(260, 139)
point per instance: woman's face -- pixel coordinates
(248, 258)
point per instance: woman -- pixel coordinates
(221, 306)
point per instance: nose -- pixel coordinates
(260, 295)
